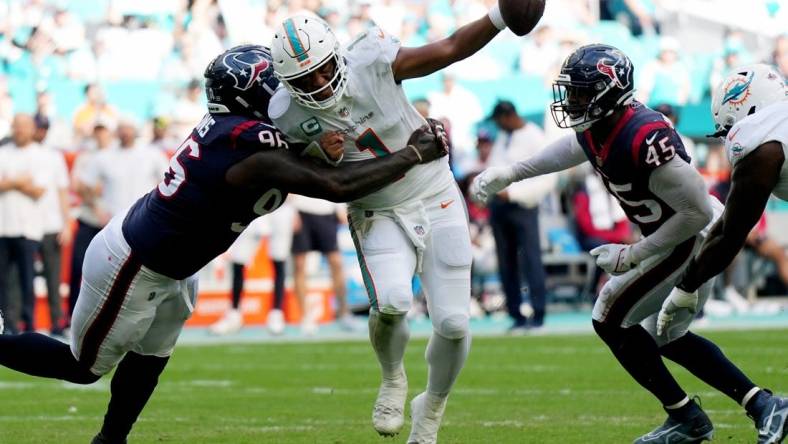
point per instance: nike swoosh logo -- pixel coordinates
(380, 33)
(733, 134)
(660, 434)
(446, 203)
(650, 140)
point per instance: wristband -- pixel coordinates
(418, 154)
(496, 18)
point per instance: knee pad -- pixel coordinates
(395, 300)
(453, 326)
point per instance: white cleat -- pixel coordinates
(230, 323)
(426, 412)
(388, 414)
(276, 322)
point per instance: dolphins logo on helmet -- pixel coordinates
(737, 91)
(253, 63)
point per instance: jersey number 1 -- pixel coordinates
(369, 141)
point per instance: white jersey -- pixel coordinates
(375, 117)
(767, 125)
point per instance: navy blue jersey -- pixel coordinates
(641, 141)
(194, 214)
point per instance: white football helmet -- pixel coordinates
(301, 45)
(745, 91)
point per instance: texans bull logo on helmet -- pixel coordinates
(254, 63)
(617, 71)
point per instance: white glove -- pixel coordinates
(613, 258)
(677, 300)
(490, 182)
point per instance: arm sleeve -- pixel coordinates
(680, 186)
(562, 154)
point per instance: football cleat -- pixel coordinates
(230, 323)
(388, 414)
(771, 422)
(426, 412)
(698, 429)
(276, 322)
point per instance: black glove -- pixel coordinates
(425, 144)
(440, 133)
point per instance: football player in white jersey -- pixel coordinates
(417, 224)
(750, 111)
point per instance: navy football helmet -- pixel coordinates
(241, 81)
(594, 81)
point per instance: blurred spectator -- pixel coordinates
(780, 55)
(599, 219)
(732, 57)
(189, 109)
(540, 52)
(638, 15)
(422, 106)
(514, 216)
(162, 138)
(389, 15)
(460, 108)
(55, 214)
(318, 232)
(94, 109)
(22, 182)
(6, 109)
(665, 79)
(689, 145)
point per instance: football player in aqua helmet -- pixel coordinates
(750, 111)
(642, 162)
(594, 81)
(303, 45)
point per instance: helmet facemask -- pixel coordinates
(578, 105)
(299, 86)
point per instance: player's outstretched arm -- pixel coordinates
(427, 59)
(754, 178)
(560, 155)
(285, 170)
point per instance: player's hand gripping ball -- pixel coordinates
(521, 16)
(437, 128)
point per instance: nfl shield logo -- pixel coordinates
(344, 112)
(419, 230)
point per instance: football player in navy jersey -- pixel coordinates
(139, 285)
(642, 162)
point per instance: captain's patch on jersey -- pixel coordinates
(311, 127)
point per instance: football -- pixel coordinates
(521, 16)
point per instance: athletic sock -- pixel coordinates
(279, 284)
(445, 358)
(132, 386)
(707, 362)
(684, 410)
(238, 283)
(40, 355)
(389, 335)
(639, 354)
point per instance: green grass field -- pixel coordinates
(548, 389)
